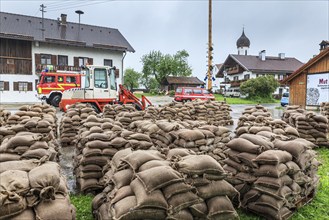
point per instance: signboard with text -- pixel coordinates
(317, 88)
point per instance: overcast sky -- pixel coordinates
(292, 27)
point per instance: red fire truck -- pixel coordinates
(52, 85)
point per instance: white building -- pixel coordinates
(240, 67)
(28, 45)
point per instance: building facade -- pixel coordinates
(238, 68)
(29, 45)
(309, 85)
(173, 82)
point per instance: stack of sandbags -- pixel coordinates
(4, 114)
(99, 139)
(28, 145)
(148, 185)
(151, 112)
(125, 118)
(310, 126)
(167, 112)
(32, 189)
(71, 121)
(111, 111)
(273, 174)
(324, 109)
(256, 119)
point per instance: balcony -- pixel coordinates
(54, 68)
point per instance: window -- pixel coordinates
(49, 79)
(45, 59)
(60, 78)
(179, 90)
(62, 60)
(83, 61)
(70, 79)
(108, 62)
(188, 91)
(235, 78)
(100, 78)
(112, 81)
(281, 77)
(197, 91)
(247, 76)
(3, 86)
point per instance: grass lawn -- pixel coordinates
(139, 95)
(230, 100)
(317, 209)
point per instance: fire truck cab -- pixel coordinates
(52, 85)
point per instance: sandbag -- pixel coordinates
(220, 207)
(273, 157)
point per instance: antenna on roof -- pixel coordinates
(42, 9)
(79, 12)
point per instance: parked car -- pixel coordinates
(232, 92)
(184, 94)
(285, 99)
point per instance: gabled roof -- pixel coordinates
(184, 80)
(312, 61)
(24, 27)
(269, 65)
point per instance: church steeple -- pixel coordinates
(243, 44)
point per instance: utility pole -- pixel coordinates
(210, 48)
(42, 9)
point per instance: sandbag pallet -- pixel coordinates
(98, 140)
(310, 126)
(256, 119)
(324, 109)
(149, 185)
(274, 174)
(111, 111)
(71, 121)
(33, 189)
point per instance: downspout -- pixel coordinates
(124, 55)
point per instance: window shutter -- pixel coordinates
(90, 61)
(53, 60)
(29, 86)
(15, 86)
(37, 58)
(6, 86)
(76, 61)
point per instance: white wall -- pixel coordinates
(98, 56)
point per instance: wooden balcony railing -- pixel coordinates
(53, 68)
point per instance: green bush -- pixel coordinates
(262, 87)
(171, 93)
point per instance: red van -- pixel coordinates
(184, 94)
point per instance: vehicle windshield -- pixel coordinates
(285, 94)
(87, 79)
(179, 90)
(205, 92)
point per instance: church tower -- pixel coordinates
(243, 44)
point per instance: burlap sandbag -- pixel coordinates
(181, 152)
(243, 145)
(153, 163)
(275, 171)
(116, 159)
(27, 214)
(24, 165)
(220, 207)
(154, 199)
(11, 205)
(183, 214)
(182, 201)
(217, 188)
(274, 183)
(14, 181)
(258, 140)
(122, 178)
(45, 180)
(139, 157)
(58, 209)
(158, 177)
(273, 157)
(190, 135)
(123, 192)
(199, 210)
(199, 165)
(176, 188)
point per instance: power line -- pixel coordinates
(85, 4)
(68, 4)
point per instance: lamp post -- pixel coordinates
(79, 12)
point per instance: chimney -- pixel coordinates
(262, 55)
(63, 19)
(282, 56)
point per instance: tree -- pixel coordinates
(263, 86)
(131, 78)
(158, 66)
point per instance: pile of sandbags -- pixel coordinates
(149, 185)
(274, 175)
(4, 114)
(71, 121)
(125, 118)
(324, 109)
(256, 119)
(98, 140)
(27, 145)
(310, 126)
(151, 112)
(33, 189)
(111, 111)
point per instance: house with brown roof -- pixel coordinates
(30, 44)
(238, 68)
(173, 82)
(309, 84)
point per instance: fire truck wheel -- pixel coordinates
(55, 100)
